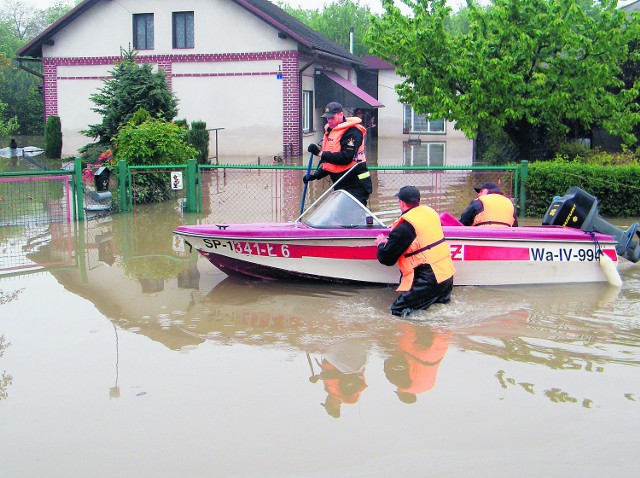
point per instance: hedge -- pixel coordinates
(617, 188)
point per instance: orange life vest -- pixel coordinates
(428, 247)
(331, 143)
(498, 211)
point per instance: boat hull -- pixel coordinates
(482, 256)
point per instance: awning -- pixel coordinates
(332, 87)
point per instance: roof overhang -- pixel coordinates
(329, 86)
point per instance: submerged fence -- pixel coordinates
(37, 197)
(228, 193)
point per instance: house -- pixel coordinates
(242, 65)
(245, 67)
(631, 7)
(424, 141)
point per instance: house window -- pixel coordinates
(419, 124)
(182, 29)
(423, 154)
(143, 31)
(307, 111)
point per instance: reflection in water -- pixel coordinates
(5, 378)
(414, 366)
(342, 372)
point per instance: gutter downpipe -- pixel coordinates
(351, 31)
(19, 60)
(300, 72)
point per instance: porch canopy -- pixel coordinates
(330, 87)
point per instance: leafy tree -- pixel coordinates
(56, 11)
(21, 19)
(8, 126)
(335, 22)
(19, 90)
(535, 69)
(25, 22)
(131, 87)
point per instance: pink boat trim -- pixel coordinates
(297, 231)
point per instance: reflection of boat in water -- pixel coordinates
(301, 315)
(336, 242)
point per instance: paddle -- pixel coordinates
(304, 190)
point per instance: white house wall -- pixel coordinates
(458, 150)
(220, 26)
(229, 80)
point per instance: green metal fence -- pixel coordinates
(226, 193)
(38, 197)
(144, 184)
(231, 193)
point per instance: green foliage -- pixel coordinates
(8, 126)
(494, 148)
(335, 21)
(131, 87)
(53, 137)
(182, 123)
(534, 69)
(9, 43)
(610, 184)
(91, 152)
(153, 142)
(19, 22)
(150, 143)
(139, 117)
(198, 137)
(19, 90)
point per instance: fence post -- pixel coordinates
(79, 189)
(524, 172)
(191, 185)
(123, 186)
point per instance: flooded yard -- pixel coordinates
(123, 355)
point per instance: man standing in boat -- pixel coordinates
(490, 208)
(416, 243)
(342, 154)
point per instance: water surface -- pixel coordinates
(123, 355)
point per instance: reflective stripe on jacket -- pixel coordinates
(428, 247)
(497, 211)
(331, 143)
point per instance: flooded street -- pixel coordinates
(123, 355)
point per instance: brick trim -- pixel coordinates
(290, 81)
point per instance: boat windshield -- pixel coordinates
(341, 209)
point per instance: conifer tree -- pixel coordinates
(132, 86)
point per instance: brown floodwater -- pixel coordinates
(123, 355)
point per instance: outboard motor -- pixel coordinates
(579, 209)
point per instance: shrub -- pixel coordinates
(53, 137)
(153, 142)
(198, 137)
